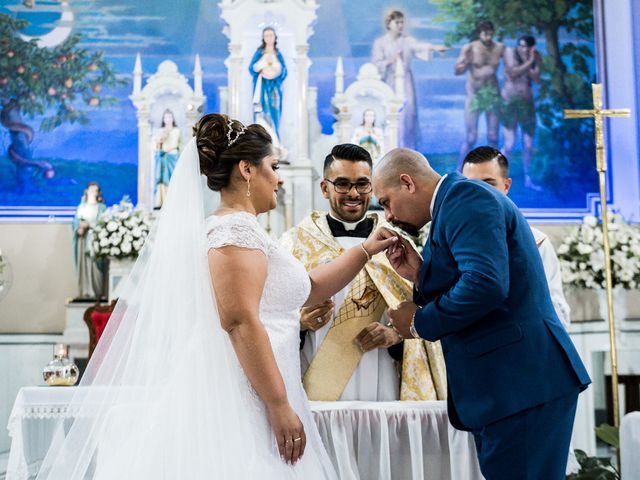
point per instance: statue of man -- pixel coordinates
(481, 59)
(521, 68)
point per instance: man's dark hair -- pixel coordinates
(347, 151)
(488, 154)
(528, 40)
(484, 26)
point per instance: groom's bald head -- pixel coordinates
(401, 161)
(404, 183)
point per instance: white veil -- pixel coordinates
(161, 395)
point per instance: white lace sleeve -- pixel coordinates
(240, 233)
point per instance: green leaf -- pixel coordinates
(609, 434)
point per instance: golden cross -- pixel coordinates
(598, 114)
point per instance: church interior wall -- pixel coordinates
(42, 265)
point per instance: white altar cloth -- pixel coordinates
(366, 440)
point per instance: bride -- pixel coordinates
(197, 374)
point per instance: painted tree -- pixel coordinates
(59, 84)
(566, 75)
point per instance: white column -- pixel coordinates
(302, 64)
(145, 160)
(234, 65)
(621, 92)
(393, 116)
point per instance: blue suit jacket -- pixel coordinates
(483, 293)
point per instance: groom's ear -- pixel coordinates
(407, 182)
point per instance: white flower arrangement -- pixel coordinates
(121, 231)
(581, 254)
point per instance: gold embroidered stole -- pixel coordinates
(339, 354)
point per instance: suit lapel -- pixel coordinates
(427, 250)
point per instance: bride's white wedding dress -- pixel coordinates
(164, 396)
(286, 289)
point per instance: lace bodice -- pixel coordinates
(286, 288)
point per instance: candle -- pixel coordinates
(60, 350)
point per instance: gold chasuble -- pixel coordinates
(376, 288)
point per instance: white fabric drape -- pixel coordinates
(395, 440)
(365, 440)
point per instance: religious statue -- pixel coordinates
(90, 270)
(368, 136)
(481, 58)
(521, 68)
(386, 51)
(269, 71)
(168, 142)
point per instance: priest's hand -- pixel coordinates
(401, 317)
(316, 316)
(405, 260)
(375, 335)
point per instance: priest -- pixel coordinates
(348, 349)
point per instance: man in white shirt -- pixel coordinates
(489, 165)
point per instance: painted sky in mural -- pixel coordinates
(105, 150)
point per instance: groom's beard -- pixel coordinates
(407, 227)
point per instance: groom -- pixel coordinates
(513, 373)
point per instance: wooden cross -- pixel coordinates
(598, 114)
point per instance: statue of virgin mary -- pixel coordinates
(269, 71)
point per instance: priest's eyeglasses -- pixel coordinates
(345, 186)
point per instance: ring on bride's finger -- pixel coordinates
(288, 441)
(319, 320)
(297, 439)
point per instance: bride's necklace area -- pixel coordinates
(227, 210)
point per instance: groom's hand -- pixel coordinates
(401, 317)
(405, 260)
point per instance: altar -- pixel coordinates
(365, 440)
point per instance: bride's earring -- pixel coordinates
(248, 187)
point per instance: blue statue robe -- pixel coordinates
(270, 107)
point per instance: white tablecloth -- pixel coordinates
(366, 440)
(630, 446)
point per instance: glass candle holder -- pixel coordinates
(60, 371)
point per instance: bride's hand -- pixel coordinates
(289, 432)
(379, 241)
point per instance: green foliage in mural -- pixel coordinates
(60, 83)
(565, 73)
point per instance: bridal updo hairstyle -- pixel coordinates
(222, 142)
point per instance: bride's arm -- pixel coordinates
(238, 276)
(330, 278)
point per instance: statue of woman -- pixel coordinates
(368, 136)
(269, 71)
(168, 141)
(90, 271)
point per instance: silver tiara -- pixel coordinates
(230, 131)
